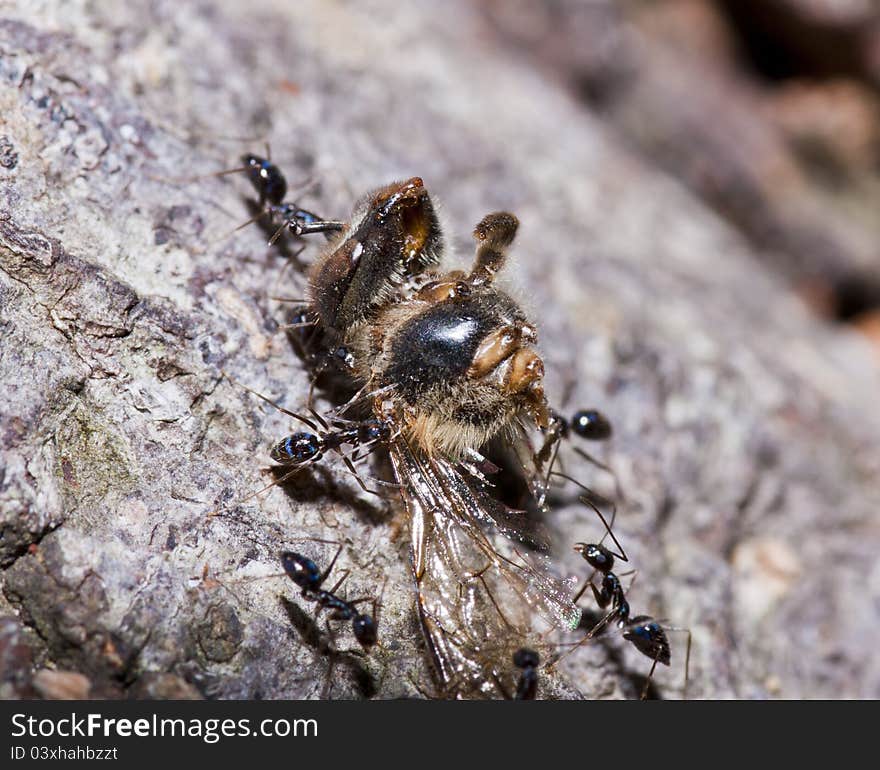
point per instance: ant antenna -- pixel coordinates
(590, 498)
(305, 420)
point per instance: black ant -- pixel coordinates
(305, 573)
(271, 187)
(645, 633)
(303, 447)
(527, 686)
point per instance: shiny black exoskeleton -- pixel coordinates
(305, 573)
(611, 593)
(298, 448)
(302, 571)
(648, 637)
(266, 178)
(303, 447)
(591, 425)
(527, 686)
(271, 187)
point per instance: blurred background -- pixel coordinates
(766, 109)
(697, 185)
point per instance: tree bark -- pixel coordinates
(746, 430)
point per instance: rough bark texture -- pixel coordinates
(746, 428)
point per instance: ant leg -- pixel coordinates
(311, 397)
(501, 688)
(269, 401)
(292, 300)
(357, 476)
(345, 574)
(331, 664)
(276, 483)
(594, 631)
(320, 420)
(618, 488)
(329, 569)
(634, 573)
(644, 695)
(586, 585)
(553, 436)
(298, 325)
(687, 656)
(687, 663)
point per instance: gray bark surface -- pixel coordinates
(746, 430)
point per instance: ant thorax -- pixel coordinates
(451, 352)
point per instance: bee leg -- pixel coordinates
(357, 477)
(494, 233)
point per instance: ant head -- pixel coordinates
(266, 178)
(345, 356)
(365, 632)
(296, 449)
(300, 569)
(559, 423)
(526, 658)
(591, 425)
(290, 212)
(374, 429)
(597, 556)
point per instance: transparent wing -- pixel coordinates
(481, 593)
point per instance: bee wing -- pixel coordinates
(480, 595)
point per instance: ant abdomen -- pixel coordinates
(649, 638)
(591, 424)
(300, 569)
(266, 179)
(364, 629)
(297, 448)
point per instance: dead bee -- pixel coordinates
(445, 362)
